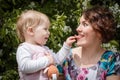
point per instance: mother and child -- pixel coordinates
(89, 61)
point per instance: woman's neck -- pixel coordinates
(91, 52)
(90, 56)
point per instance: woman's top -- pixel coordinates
(32, 61)
(108, 64)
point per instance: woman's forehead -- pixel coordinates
(82, 19)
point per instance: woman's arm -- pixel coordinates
(113, 77)
(114, 67)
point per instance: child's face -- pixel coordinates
(41, 34)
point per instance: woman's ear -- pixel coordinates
(99, 36)
(30, 31)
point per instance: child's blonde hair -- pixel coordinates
(30, 18)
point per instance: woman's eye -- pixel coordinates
(85, 24)
(79, 24)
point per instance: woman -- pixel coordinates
(90, 61)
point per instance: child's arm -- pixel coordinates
(27, 65)
(64, 51)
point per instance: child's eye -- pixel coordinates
(45, 28)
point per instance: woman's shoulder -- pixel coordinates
(110, 61)
(110, 55)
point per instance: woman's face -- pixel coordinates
(86, 34)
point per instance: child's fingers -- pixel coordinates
(50, 57)
(46, 53)
(76, 36)
(72, 37)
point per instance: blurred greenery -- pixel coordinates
(64, 16)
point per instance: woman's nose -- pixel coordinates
(78, 29)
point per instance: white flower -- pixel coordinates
(67, 29)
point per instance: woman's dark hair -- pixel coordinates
(102, 21)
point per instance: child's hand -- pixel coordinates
(49, 56)
(70, 40)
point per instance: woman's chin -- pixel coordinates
(78, 44)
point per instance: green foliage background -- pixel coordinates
(64, 16)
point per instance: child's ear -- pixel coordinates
(30, 30)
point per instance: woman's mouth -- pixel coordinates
(78, 37)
